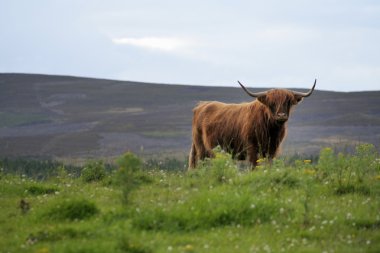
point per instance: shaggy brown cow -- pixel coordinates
(252, 130)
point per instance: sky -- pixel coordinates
(215, 42)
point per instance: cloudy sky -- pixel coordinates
(213, 42)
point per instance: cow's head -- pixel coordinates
(279, 101)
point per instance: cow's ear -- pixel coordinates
(263, 99)
(298, 98)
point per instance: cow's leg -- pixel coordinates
(273, 151)
(252, 156)
(270, 158)
(241, 156)
(197, 151)
(274, 145)
(193, 157)
(208, 146)
(209, 152)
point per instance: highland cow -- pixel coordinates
(248, 130)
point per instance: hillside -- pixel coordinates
(71, 117)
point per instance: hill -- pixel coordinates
(72, 117)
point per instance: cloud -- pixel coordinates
(286, 33)
(155, 43)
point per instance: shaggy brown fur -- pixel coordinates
(247, 130)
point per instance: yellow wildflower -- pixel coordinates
(43, 250)
(309, 171)
(189, 248)
(307, 161)
(261, 160)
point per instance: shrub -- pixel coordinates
(215, 208)
(56, 235)
(365, 223)
(347, 173)
(130, 162)
(93, 171)
(326, 162)
(41, 190)
(126, 245)
(222, 168)
(39, 169)
(129, 174)
(219, 170)
(286, 178)
(351, 188)
(364, 161)
(166, 163)
(72, 210)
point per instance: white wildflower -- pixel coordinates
(266, 248)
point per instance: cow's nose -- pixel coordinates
(281, 114)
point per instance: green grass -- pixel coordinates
(36, 189)
(328, 206)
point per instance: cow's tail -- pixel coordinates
(192, 157)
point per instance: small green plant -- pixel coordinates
(93, 171)
(326, 162)
(72, 210)
(129, 174)
(352, 188)
(306, 215)
(62, 174)
(38, 169)
(286, 178)
(221, 206)
(41, 189)
(53, 235)
(126, 245)
(219, 170)
(166, 163)
(364, 161)
(347, 173)
(278, 164)
(222, 168)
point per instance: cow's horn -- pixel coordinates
(308, 93)
(252, 94)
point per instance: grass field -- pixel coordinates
(328, 205)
